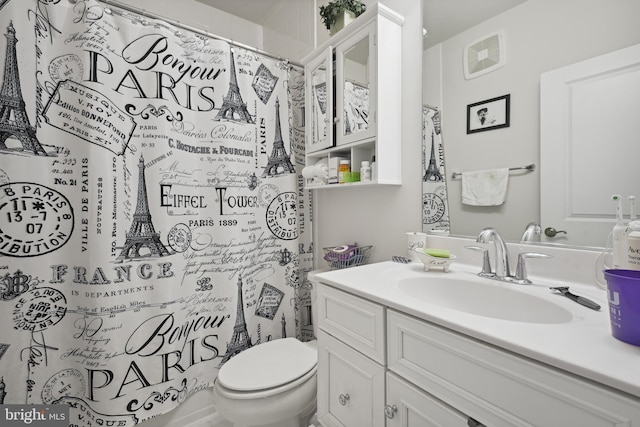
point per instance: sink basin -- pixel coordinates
(483, 298)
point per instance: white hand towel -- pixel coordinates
(485, 188)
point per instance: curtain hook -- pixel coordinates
(143, 21)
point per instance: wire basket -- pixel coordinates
(347, 256)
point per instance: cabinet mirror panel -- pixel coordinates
(320, 92)
(320, 117)
(356, 84)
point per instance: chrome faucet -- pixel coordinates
(532, 233)
(503, 270)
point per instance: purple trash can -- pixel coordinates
(623, 287)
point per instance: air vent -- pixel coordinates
(484, 55)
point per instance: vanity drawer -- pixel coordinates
(353, 320)
(409, 406)
(479, 380)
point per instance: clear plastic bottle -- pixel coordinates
(633, 245)
(344, 168)
(365, 171)
(374, 168)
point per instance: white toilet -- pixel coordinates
(269, 385)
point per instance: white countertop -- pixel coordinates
(583, 346)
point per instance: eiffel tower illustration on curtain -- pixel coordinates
(233, 107)
(432, 173)
(240, 340)
(284, 326)
(279, 161)
(13, 116)
(142, 234)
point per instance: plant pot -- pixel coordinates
(344, 19)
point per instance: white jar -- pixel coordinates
(365, 171)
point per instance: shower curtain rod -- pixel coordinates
(144, 12)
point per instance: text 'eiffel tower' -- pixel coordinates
(142, 234)
(13, 116)
(233, 107)
(279, 162)
(240, 340)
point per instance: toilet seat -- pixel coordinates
(263, 394)
(268, 368)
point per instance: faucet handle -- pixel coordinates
(521, 269)
(486, 264)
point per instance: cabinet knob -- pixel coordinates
(343, 398)
(390, 411)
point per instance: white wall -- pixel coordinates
(541, 35)
(288, 32)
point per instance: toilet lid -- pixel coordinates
(268, 365)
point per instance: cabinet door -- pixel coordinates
(319, 95)
(355, 87)
(350, 386)
(409, 406)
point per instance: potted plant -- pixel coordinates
(338, 13)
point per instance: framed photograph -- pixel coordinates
(488, 115)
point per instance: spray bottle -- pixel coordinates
(620, 238)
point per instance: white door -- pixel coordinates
(589, 145)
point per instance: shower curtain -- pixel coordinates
(435, 203)
(152, 218)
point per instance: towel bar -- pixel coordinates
(528, 168)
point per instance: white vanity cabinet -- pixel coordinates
(380, 367)
(353, 379)
(354, 97)
(351, 360)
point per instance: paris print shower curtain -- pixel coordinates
(152, 219)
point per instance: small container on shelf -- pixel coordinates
(351, 177)
(365, 171)
(334, 166)
(345, 256)
(343, 171)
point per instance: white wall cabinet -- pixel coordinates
(354, 99)
(432, 376)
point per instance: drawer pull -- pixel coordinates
(390, 411)
(343, 398)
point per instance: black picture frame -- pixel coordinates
(489, 114)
